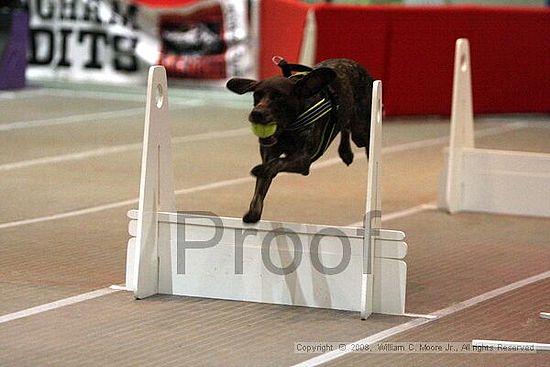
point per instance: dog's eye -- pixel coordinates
(258, 97)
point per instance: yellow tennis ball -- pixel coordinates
(264, 130)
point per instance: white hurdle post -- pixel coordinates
(345, 268)
(373, 206)
(462, 122)
(486, 180)
(156, 193)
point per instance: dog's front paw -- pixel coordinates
(251, 217)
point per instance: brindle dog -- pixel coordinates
(344, 90)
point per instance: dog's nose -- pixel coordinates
(257, 116)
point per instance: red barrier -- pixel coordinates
(281, 32)
(355, 32)
(411, 49)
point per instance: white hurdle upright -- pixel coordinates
(191, 254)
(484, 180)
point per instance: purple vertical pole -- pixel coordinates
(13, 61)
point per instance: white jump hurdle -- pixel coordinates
(483, 180)
(347, 268)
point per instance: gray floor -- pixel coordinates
(69, 168)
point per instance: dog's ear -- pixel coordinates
(241, 86)
(313, 82)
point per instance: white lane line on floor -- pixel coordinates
(445, 139)
(417, 315)
(56, 304)
(116, 149)
(123, 203)
(186, 191)
(181, 99)
(111, 96)
(241, 180)
(177, 95)
(120, 287)
(120, 149)
(22, 93)
(63, 158)
(70, 214)
(409, 211)
(88, 117)
(402, 213)
(375, 338)
(121, 95)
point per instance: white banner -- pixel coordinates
(116, 41)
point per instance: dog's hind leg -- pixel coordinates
(360, 126)
(344, 149)
(360, 120)
(361, 138)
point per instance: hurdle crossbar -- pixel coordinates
(202, 255)
(487, 180)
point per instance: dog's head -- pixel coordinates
(279, 100)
